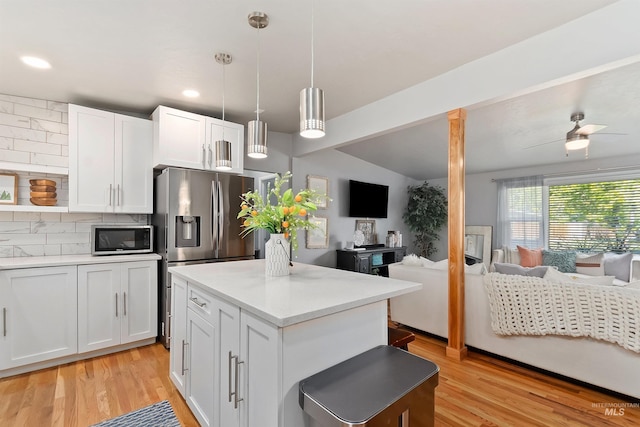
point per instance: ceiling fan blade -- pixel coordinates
(543, 143)
(589, 129)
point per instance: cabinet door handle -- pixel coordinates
(204, 156)
(184, 344)
(118, 197)
(116, 304)
(237, 381)
(198, 303)
(4, 321)
(124, 303)
(230, 392)
(110, 191)
(210, 156)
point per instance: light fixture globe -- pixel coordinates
(576, 142)
(312, 112)
(223, 155)
(257, 139)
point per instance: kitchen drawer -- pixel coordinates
(201, 302)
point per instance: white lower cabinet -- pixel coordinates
(117, 304)
(217, 350)
(178, 334)
(39, 309)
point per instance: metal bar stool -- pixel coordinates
(384, 386)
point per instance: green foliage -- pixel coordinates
(609, 217)
(425, 215)
(285, 216)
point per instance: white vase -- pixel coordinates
(276, 256)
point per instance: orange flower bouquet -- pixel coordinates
(286, 216)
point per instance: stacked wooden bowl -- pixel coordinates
(43, 192)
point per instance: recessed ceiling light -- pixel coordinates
(35, 62)
(191, 93)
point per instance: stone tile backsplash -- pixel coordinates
(53, 233)
(36, 131)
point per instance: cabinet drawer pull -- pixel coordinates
(4, 321)
(198, 303)
(184, 344)
(237, 381)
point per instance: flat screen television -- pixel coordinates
(368, 200)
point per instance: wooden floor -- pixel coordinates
(480, 391)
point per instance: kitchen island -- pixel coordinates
(241, 341)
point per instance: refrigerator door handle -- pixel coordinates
(221, 218)
(214, 216)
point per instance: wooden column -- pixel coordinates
(455, 347)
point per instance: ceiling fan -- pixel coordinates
(578, 137)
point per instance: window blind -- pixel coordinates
(597, 216)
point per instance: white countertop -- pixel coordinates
(307, 293)
(54, 261)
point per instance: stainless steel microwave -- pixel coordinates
(121, 239)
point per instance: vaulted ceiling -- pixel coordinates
(134, 55)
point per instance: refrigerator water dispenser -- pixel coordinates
(187, 231)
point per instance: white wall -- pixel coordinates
(278, 155)
(339, 168)
(481, 202)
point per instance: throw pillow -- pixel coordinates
(511, 256)
(478, 268)
(565, 261)
(441, 265)
(530, 257)
(590, 264)
(618, 265)
(518, 270)
(411, 259)
(554, 275)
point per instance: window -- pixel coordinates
(520, 212)
(596, 216)
(585, 213)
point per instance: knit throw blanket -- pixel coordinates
(523, 305)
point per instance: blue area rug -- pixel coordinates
(157, 415)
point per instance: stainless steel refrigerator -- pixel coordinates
(195, 219)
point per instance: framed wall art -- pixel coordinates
(318, 238)
(368, 228)
(320, 185)
(8, 189)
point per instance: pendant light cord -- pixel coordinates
(224, 84)
(312, 41)
(258, 77)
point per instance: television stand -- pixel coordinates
(374, 259)
(375, 246)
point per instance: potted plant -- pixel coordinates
(425, 215)
(282, 219)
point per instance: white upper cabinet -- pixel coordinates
(187, 140)
(109, 162)
(178, 138)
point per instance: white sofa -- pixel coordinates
(595, 362)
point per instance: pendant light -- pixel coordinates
(223, 147)
(257, 129)
(312, 102)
